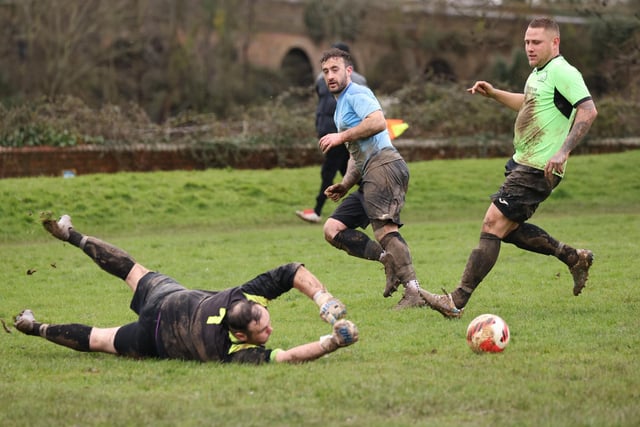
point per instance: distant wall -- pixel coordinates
(82, 160)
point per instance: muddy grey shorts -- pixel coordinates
(384, 189)
(381, 196)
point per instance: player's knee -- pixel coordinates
(103, 339)
(136, 273)
(382, 229)
(331, 229)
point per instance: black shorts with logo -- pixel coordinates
(523, 190)
(138, 339)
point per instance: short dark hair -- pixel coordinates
(241, 314)
(546, 23)
(337, 53)
(341, 46)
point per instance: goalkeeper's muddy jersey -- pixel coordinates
(551, 95)
(191, 327)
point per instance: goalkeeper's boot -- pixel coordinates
(580, 270)
(442, 304)
(410, 299)
(59, 229)
(390, 272)
(24, 321)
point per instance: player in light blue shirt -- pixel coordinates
(382, 173)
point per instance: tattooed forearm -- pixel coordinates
(585, 116)
(578, 131)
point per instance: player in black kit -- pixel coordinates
(232, 325)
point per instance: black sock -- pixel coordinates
(480, 262)
(357, 244)
(111, 259)
(72, 335)
(35, 330)
(532, 238)
(75, 238)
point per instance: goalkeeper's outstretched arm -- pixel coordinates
(331, 308)
(344, 334)
(332, 311)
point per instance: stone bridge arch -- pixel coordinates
(438, 68)
(295, 55)
(451, 43)
(292, 54)
(296, 66)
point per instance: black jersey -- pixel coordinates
(190, 322)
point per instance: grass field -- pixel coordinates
(572, 361)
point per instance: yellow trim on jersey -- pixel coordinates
(216, 320)
(237, 345)
(256, 298)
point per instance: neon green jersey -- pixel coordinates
(551, 95)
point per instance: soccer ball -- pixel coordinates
(488, 333)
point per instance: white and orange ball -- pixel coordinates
(488, 333)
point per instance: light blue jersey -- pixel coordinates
(354, 104)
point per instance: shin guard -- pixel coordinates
(480, 262)
(357, 244)
(111, 259)
(397, 246)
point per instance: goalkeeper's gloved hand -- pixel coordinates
(332, 311)
(345, 333)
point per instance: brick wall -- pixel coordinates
(53, 161)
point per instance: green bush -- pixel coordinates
(37, 135)
(445, 110)
(617, 118)
(68, 121)
(432, 109)
(25, 126)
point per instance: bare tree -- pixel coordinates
(57, 45)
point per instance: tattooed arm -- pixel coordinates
(585, 115)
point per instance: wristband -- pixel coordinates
(328, 344)
(321, 297)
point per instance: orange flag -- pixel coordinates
(396, 127)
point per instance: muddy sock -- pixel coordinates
(357, 244)
(111, 259)
(397, 246)
(532, 238)
(480, 262)
(35, 329)
(73, 335)
(75, 238)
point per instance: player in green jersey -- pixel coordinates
(555, 112)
